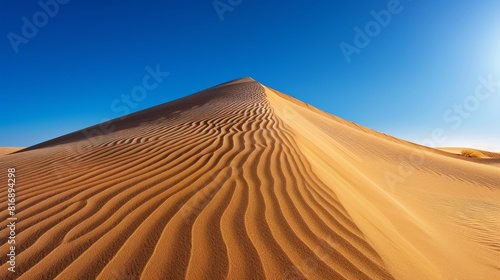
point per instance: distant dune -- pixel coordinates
(480, 153)
(240, 181)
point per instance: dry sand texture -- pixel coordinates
(8, 150)
(242, 182)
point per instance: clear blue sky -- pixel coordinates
(414, 69)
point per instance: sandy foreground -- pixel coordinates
(240, 181)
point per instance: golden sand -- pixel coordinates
(240, 181)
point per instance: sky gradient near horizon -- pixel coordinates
(411, 69)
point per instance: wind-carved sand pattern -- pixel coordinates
(240, 181)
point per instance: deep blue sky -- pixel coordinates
(424, 61)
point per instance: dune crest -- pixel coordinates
(240, 181)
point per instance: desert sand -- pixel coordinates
(8, 150)
(240, 181)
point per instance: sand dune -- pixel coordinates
(475, 155)
(240, 181)
(480, 153)
(8, 150)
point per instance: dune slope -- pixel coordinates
(240, 181)
(8, 150)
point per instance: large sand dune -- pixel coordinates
(242, 182)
